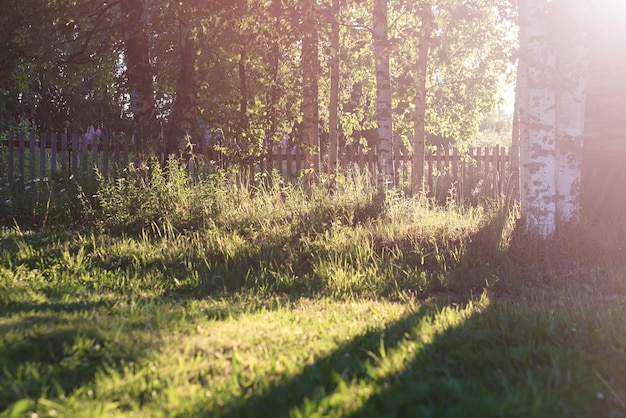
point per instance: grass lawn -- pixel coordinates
(85, 340)
(280, 306)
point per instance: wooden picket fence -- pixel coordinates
(28, 157)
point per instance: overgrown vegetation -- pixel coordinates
(166, 295)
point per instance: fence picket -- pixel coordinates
(65, 157)
(11, 158)
(106, 150)
(31, 155)
(116, 153)
(42, 155)
(21, 157)
(53, 154)
(288, 157)
(74, 159)
(95, 151)
(446, 171)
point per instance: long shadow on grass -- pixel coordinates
(502, 360)
(43, 354)
(350, 361)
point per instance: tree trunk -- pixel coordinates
(515, 134)
(537, 117)
(139, 77)
(419, 124)
(243, 92)
(333, 111)
(383, 96)
(275, 9)
(572, 67)
(185, 109)
(310, 110)
(274, 90)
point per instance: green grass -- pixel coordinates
(270, 303)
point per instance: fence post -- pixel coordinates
(65, 156)
(32, 144)
(74, 160)
(105, 155)
(1, 162)
(288, 157)
(84, 156)
(53, 154)
(11, 159)
(42, 155)
(95, 154)
(20, 162)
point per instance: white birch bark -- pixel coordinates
(310, 91)
(570, 113)
(537, 118)
(419, 122)
(333, 111)
(383, 95)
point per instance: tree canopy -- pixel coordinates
(168, 70)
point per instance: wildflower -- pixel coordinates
(8, 202)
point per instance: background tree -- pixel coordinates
(383, 95)
(572, 66)
(333, 106)
(551, 88)
(139, 75)
(231, 67)
(310, 91)
(425, 14)
(537, 116)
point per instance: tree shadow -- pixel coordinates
(501, 360)
(44, 354)
(504, 371)
(349, 362)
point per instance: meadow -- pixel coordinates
(165, 295)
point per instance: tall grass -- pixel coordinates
(172, 295)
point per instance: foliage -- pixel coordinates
(70, 66)
(145, 196)
(44, 202)
(495, 129)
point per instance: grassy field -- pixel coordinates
(224, 301)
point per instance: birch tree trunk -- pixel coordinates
(243, 92)
(419, 124)
(572, 65)
(185, 108)
(310, 90)
(333, 111)
(537, 117)
(139, 76)
(383, 96)
(516, 129)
